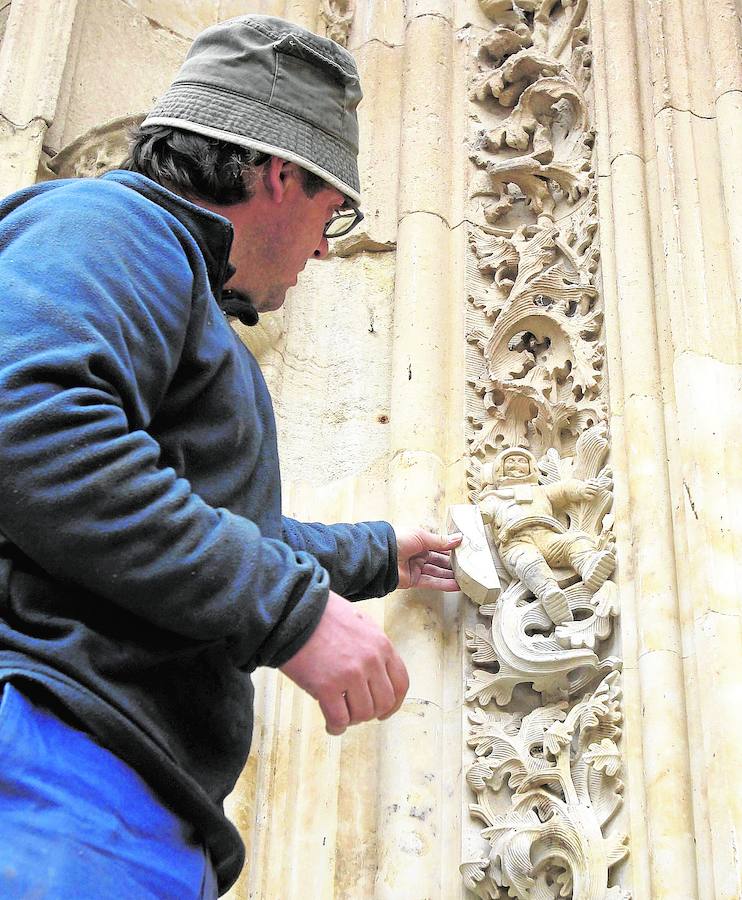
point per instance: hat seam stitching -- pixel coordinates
(299, 35)
(275, 79)
(224, 90)
(314, 53)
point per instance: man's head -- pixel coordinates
(260, 126)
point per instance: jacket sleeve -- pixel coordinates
(95, 307)
(361, 559)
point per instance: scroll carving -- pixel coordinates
(563, 769)
(536, 319)
(543, 688)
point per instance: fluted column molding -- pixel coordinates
(651, 608)
(698, 175)
(414, 816)
(671, 76)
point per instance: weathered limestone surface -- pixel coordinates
(21, 152)
(312, 353)
(133, 58)
(379, 120)
(674, 323)
(629, 143)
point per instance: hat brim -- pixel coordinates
(249, 123)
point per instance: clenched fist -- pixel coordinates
(350, 667)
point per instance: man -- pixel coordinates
(529, 537)
(146, 569)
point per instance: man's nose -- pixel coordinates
(322, 250)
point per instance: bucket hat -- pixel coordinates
(262, 82)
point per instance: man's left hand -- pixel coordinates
(424, 560)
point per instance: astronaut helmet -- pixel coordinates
(516, 465)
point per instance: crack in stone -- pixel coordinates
(155, 24)
(421, 701)
(698, 115)
(455, 462)
(730, 91)
(158, 26)
(626, 153)
(428, 212)
(644, 653)
(690, 499)
(28, 124)
(689, 111)
(431, 16)
(376, 41)
(407, 24)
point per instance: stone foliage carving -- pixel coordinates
(535, 320)
(544, 694)
(563, 769)
(338, 17)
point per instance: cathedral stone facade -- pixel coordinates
(535, 337)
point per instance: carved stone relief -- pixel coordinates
(534, 315)
(544, 694)
(338, 16)
(562, 767)
(103, 147)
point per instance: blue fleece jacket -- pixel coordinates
(145, 567)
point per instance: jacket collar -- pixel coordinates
(213, 234)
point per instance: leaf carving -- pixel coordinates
(536, 379)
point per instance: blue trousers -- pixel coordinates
(76, 822)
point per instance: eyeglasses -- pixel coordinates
(343, 221)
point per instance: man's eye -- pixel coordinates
(342, 221)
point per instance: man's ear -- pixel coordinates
(276, 175)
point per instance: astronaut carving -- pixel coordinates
(534, 544)
(538, 548)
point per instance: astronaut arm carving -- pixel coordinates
(572, 490)
(488, 506)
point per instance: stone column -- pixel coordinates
(670, 76)
(373, 814)
(415, 811)
(650, 598)
(32, 60)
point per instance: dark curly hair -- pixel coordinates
(201, 167)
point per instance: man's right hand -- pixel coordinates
(350, 667)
